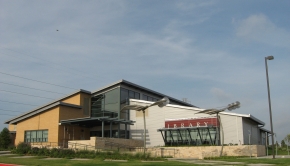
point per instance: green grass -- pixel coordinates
(66, 162)
(278, 161)
(36, 161)
(279, 151)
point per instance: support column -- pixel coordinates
(172, 140)
(180, 137)
(63, 136)
(163, 136)
(199, 135)
(125, 130)
(110, 129)
(73, 133)
(102, 128)
(118, 130)
(209, 136)
(189, 135)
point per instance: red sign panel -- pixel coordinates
(201, 122)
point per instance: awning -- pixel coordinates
(95, 121)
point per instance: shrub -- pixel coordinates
(22, 148)
(54, 152)
(66, 153)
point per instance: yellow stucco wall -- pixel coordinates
(12, 127)
(75, 99)
(47, 120)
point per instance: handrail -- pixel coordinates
(61, 145)
(108, 145)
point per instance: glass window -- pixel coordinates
(131, 94)
(97, 106)
(145, 97)
(107, 104)
(137, 95)
(150, 98)
(194, 136)
(36, 136)
(112, 100)
(124, 95)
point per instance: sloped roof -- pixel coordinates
(46, 107)
(244, 115)
(124, 82)
(200, 109)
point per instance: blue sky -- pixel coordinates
(210, 52)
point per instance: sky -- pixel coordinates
(210, 52)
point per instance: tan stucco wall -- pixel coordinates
(12, 127)
(75, 99)
(47, 120)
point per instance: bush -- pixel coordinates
(22, 148)
(54, 152)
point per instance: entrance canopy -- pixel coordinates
(203, 135)
(96, 121)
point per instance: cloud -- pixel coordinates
(220, 94)
(186, 6)
(260, 29)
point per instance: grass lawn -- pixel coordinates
(277, 161)
(38, 161)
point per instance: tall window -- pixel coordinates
(149, 98)
(107, 104)
(36, 136)
(125, 96)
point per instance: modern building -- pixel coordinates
(180, 125)
(84, 114)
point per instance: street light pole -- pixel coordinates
(269, 100)
(144, 131)
(217, 111)
(161, 103)
(250, 143)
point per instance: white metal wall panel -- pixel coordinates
(251, 132)
(156, 120)
(235, 126)
(232, 129)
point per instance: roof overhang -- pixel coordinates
(37, 111)
(245, 116)
(95, 121)
(130, 84)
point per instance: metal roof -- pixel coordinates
(244, 115)
(268, 131)
(141, 88)
(200, 109)
(45, 107)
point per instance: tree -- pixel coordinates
(5, 140)
(283, 144)
(287, 139)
